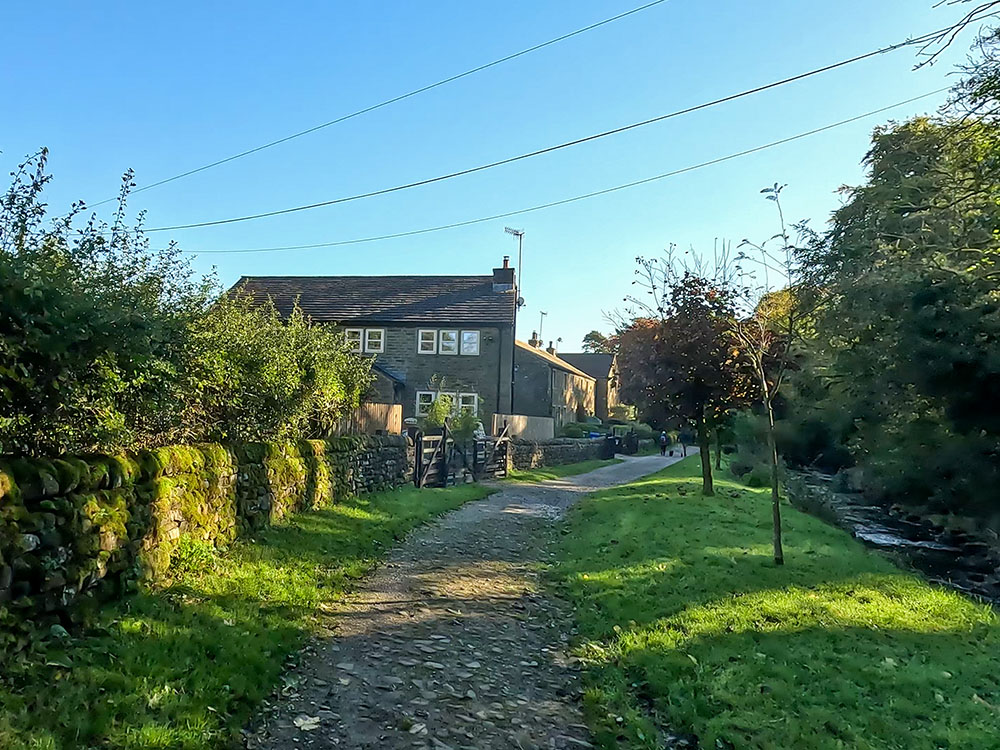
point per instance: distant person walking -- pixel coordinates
(664, 440)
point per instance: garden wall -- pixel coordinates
(529, 454)
(77, 529)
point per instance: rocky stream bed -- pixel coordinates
(966, 561)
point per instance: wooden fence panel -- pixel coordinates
(372, 419)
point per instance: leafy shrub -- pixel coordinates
(106, 345)
(759, 476)
(439, 411)
(739, 467)
(192, 555)
(464, 425)
(573, 430)
(260, 377)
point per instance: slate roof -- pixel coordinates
(595, 365)
(460, 300)
(552, 359)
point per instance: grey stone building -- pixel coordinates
(427, 334)
(604, 369)
(548, 386)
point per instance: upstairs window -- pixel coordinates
(426, 341)
(448, 342)
(353, 338)
(470, 343)
(374, 340)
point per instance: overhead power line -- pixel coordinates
(393, 100)
(548, 149)
(552, 204)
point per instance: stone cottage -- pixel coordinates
(548, 386)
(427, 334)
(604, 369)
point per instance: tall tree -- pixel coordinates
(678, 362)
(596, 342)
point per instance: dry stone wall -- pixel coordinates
(530, 454)
(75, 530)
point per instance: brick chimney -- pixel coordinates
(534, 340)
(503, 278)
(551, 349)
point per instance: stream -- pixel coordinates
(951, 557)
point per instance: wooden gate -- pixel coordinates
(439, 461)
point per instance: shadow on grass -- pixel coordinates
(183, 667)
(682, 613)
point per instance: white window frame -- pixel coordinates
(458, 342)
(461, 343)
(433, 342)
(355, 344)
(474, 406)
(381, 342)
(423, 412)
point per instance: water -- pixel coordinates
(954, 558)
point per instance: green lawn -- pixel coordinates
(184, 667)
(542, 473)
(686, 624)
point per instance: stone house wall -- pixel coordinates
(487, 374)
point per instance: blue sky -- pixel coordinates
(164, 87)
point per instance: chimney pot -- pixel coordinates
(551, 350)
(506, 261)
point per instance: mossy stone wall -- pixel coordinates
(75, 530)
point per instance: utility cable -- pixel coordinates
(393, 100)
(585, 196)
(546, 150)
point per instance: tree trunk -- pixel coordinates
(772, 447)
(718, 450)
(705, 450)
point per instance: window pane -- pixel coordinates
(468, 401)
(470, 342)
(427, 342)
(449, 342)
(374, 340)
(424, 401)
(353, 338)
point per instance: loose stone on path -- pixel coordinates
(451, 645)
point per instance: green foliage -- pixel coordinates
(684, 617)
(192, 555)
(93, 326)
(908, 335)
(596, 342)
(464, 425)
(261, 377)
(106, 345)
(574, 430)
(438, 412)
(185, 666)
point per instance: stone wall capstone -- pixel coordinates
(83, 528)
(530, 454)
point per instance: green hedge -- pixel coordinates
(74, 530)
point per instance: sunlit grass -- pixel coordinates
(686, 624)
(543, 473)
(183, 668)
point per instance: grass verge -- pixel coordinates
(542, 473)
(183, 667)
(687, 624)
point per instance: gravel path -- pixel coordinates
(452, 643)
